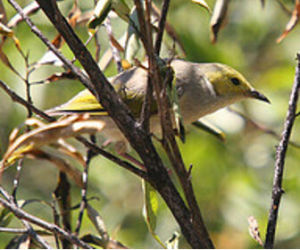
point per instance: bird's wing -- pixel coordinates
(83, 102)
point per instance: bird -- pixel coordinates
(202, 88)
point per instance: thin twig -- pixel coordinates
(27, 85)
(21, 214)
(83, 203)
(115, 51)
(56, 222)
(161, 26)
(118, 161)
(280, 160)
(16, 180)
(286, 10)
(261, 127)
(83, 78)
(145, 35)
(98, 47)
(35, 236)
(13, 230)
(15, 97)
(30, 231)
(142, 29)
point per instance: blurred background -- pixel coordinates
(232, 179)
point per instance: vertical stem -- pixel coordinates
(280, 160)
(115, 52)
(161, 26)
(83, 204)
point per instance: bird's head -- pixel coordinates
(229, 83)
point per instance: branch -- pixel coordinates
(161, 26)
(21, 214)
(118, 161)
(136, 135)
(280, 159)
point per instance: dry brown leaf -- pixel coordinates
(203, 4)
(70, 150)
(73, 16)
(253, 230)
(59, 76)
(66, 127)
(292, 23)
(5, 59)
(13, 135)
(218, 18)
(49, 57)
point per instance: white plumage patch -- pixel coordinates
(210, 87)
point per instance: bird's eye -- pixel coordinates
(235, 81)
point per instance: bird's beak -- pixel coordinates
(255, 94)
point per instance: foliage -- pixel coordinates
(232, 179)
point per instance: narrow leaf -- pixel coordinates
(5, 217)
(101, 11)
(292, 23)
(218, 18)
(203, 4)
(121, 9)
(254, 230)
(150, 210)
(211, 129)
(97, 240)
(48, 133)
(98, 222)
(5, 31)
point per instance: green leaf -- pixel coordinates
(133, 47)
(211, 129)
(5, 217)
(150, 210)
(121, 8)
(101, 11)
